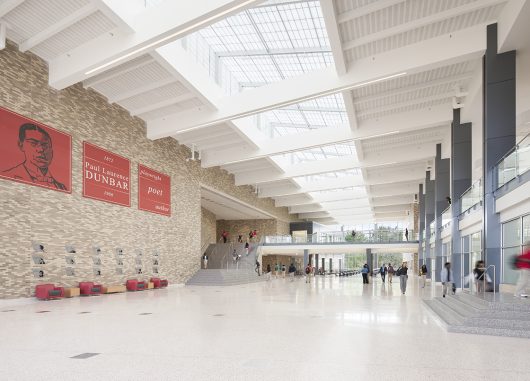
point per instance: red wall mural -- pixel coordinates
(106, 176)
(33, 153)
(154, 191)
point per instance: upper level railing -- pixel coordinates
(360, 236)
(514, 163)
(471, 197)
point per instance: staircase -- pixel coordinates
(223, 270)
(466, 313)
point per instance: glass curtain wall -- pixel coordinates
(515, 235)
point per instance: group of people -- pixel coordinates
(401, 272)
(252, 236)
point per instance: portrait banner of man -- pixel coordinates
(33, 153)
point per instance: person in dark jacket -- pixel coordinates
(292, 271)
(403, 277)
(364, 273)
(383, 271)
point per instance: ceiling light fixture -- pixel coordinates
(292, 102)
(171, 36)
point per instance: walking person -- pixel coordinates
(283, 271)
(407, 234)
(383, 270)
(257, 267)
(308, 271)
(402, 272)
(423, 275)
(205, 260)
(364, 273)
(277, 270)
(523, 264)
(292, 271)
(390, 270)
(447, 279)
(247, 248)
(224, 236)
(479, 273)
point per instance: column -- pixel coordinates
(421, 202)
(370, 259)
(429, 216)
(499, 137)
(306, 257)
(442, 169)
(461, 172)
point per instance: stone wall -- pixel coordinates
(32, 214)
(208, 227)
(243, 227)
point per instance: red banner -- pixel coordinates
(154, 191)
(33, 153)
(106, 176)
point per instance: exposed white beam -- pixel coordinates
(386, 201)
(113, 73)
(219, 143)
(421, 22)
(53, 29)
(438, 97)
(8, 5)
(367, 9)
(334, 205)
(315, 186)
(3, 31)
(177, 61)
(119, 14)
(247, 53)
(384, 158)
(392, 208)
(330, 20)
(513, 26)
(420, 86)
(395, 189)
(163, 103)
(459, 46)
(142, 89)
(402, 122)
(153, 28)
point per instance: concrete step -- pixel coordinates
(487, 321)
(522, 333)
(448, 316)
(463, 309)
(471, 300)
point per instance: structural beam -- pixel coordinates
(407, 121)
(8, 5)
(459, 46)
(250, 177)
(421, 22)
(161, 104)
(152, 29)
(142, 89)
(54, 29)
(367, 9)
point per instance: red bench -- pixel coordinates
(159, 283)
(48, 291)
(135, 285)
(89, 288)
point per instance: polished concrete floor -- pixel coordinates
(332, 329)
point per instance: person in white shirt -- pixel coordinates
(447, 279)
